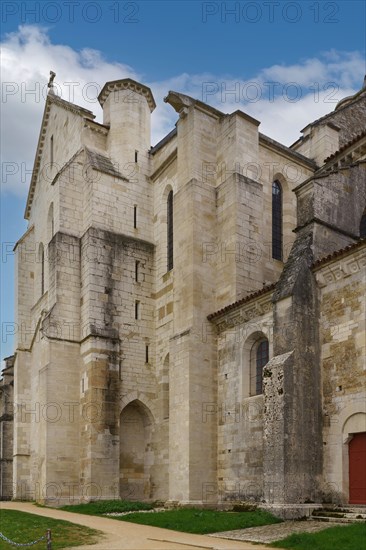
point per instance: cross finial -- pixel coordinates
(50, 82)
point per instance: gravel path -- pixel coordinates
(121, 535)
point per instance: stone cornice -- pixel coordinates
(325, 224)
(349, 145)
(254, 308)
(127, 84)
(341, 266)
(96, 127)
(172, 134)
(284, 151)
(324, 174)
(37, 160)
(72, 107)
(180, 334)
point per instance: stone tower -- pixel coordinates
(171, 304)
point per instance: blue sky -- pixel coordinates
(285, 63)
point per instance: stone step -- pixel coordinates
(359, 509)
(344, 509)
(341, 514)
(337, 519)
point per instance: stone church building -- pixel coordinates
(191, 316)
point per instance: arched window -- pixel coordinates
(255, 354)
(170, 231)
(363, 226)
(41, 261)
(276, 220)
(261, 359)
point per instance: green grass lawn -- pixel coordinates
(350, 537)
(188, 520)
(23, 527)
(107, 506)
(193, 520)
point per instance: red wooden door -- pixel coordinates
(357, 469)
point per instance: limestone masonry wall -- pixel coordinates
(162, 352)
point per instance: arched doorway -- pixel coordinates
(357, 468)
(136, 424)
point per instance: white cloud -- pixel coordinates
(27, 58)
(28, 55)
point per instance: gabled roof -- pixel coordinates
(51, 99)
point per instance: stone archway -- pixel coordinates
(136, 424)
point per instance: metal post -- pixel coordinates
(49, 539)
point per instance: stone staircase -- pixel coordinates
(340, 514)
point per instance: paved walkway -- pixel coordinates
(277, 531)
(121, 535)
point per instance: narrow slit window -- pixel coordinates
(146, 353)
(170, 231)
(136, 156)
(165, 388)
(41, 259)
(51, 151)
(50, 222)
(137, 271)
(137, 309)
(277, 220)
(135, 217)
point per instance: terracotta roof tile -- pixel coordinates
(345, 146)
(272, 286)
(339, 252)
(242, 301)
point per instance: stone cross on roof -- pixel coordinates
(50, 83)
